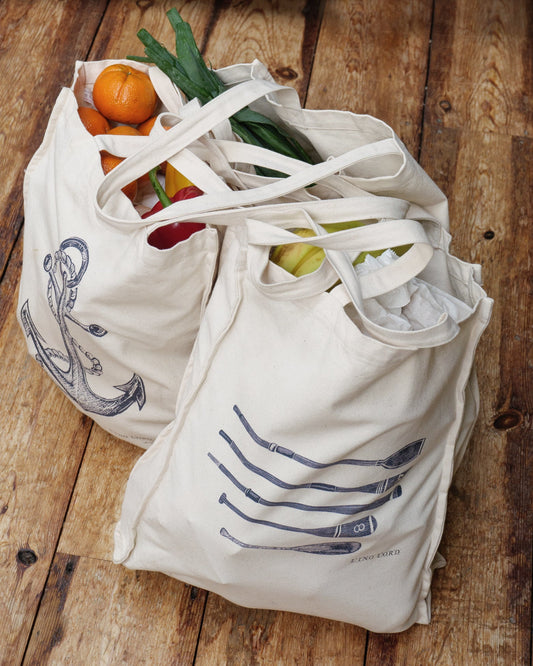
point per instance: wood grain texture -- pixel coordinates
(29, 33)
(281, 35)
(242, 637)
(97, 497)
(481, 606)
(455, 81)
(372, 58)
(95, 613)
(481, 66)
(116, 37)
(38, 468)
(497, 493)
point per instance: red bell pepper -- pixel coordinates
(170, 234)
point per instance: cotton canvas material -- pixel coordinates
(308, 465)
(309, 462)
(118, 343)
(386, 168)
(109, 317)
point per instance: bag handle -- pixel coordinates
(289, 214)
(207, 162)
(186, 210)
(192, 127)
(354, 288)
(378, 236)
(222, 154)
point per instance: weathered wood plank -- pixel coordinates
(481, 66)
(39, 460)
(95, 613)
(488, 534)
(477, 83)
(372, 58)
(240, 636)
(30, 32)
(281, 35)
(116, 36)
(490, 524)
(97, 497)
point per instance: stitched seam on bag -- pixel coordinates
(211, 281)
(448, 468)
(471, 286)
(155, 257)
(416, 344)
(305, 125)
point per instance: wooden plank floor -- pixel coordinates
(455, 80)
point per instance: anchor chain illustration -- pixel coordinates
(69, 368)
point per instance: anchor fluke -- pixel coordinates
(135, 390)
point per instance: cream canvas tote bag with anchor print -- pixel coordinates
(110, 318)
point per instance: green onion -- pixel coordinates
(189, 72)
(161, 194)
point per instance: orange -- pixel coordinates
(124, 129)
(94, 122)
(144, 128)
(127, 129)
(124, 94)
(110, 162)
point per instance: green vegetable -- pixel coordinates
(189, 72)
(161, 194)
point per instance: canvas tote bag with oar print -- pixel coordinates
(308, 465)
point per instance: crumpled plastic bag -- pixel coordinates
(413, 306)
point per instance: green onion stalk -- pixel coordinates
(189, 72)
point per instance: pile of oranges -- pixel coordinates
(121, 94)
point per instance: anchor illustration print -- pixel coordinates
(69, 363)
(110, 318)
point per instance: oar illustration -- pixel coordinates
(397, 459)
(330, 548)
(377, 487)
(348, 509)
(358, 528)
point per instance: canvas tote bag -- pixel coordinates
(109, 317)
(308, 465)
(112, 319)
(329, 135)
